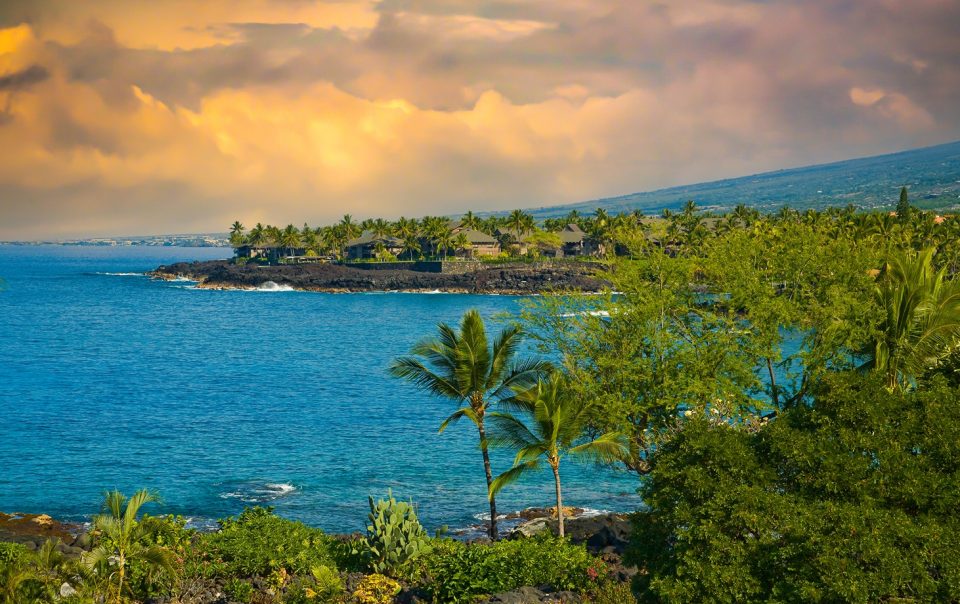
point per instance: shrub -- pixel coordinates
(460, 572)
(852, 498)
(328, 584)
(258, 543)
(376, 589)
(395, 537)
(238, 590)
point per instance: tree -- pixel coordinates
(654, 347)
(921, 317)
(559, 423)
(851, 498)
(470, 221)
(904, 209)
(290, 239)
(120, 540)
(461, 365)
(236, 234)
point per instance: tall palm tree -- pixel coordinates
(290, 239)
(558, 423)
(921, 322)
(463, 366)
(120, 539)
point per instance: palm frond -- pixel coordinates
(414, 371)
(509, 432)
(466, 412)
(512, 475)
(607, 448)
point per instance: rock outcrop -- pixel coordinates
(503, 279)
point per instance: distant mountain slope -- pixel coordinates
(932, 174)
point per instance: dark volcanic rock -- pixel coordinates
(507, 279)
(34, 529)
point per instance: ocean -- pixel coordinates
(223, 399)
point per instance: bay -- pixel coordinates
(222, 399)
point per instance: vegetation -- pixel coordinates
(463, 366)
(785, 386)
(122, 541)
(558, 422)
(395, 538)
(461, 572)
(849, 499)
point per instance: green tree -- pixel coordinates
(558, 426)
(461, 365)
(921, 317)
(851, 498)
(904, 209)
(236, 234)
(120, 540)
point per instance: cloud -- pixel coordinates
(165, 117)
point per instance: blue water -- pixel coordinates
(221, 399)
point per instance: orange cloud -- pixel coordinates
(126, 117)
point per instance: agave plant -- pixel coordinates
(121, 539)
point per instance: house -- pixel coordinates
(575, 242)
(478, 242)
(369, 245)
(271, 253)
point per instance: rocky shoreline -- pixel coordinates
(511, 279)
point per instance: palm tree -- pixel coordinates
(921, 321)
(470, 221)
(558, 423)
(258, 235)
(236, 234)
(290, 239)
(461, 243)
(463, 366)
(120, 539)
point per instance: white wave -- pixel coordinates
(271, 286)
(258, 492)
(124, 274)
(181, 279)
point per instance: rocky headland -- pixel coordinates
(508, 279)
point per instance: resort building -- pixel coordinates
(478, 242)
(271, 253)
(370, 245)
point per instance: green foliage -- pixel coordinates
(257, 543)
(852, 498)
(921, 321)
(122, 545)
(460, 572)
(464, 367)
(238, 590)
(557, 426)
(327, 584)
(611, 592)
(394, 538)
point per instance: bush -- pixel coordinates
(258, 543)
(460, 572)
(395, 537)
(376, 589)
(238, 590)
(327, 584)
(852, 499)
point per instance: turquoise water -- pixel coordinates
(221, 399)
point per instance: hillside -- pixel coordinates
(931, 173)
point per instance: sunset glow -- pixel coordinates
(148, 117)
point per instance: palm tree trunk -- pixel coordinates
(556, 480)
(489, 471)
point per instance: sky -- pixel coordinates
(124, 117)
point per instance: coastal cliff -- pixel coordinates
(513, 279)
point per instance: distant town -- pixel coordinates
(189, 240)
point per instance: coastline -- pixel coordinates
(509, 279)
